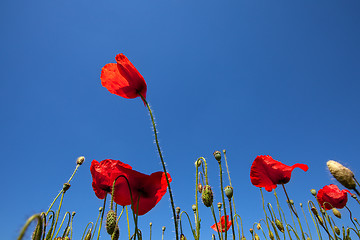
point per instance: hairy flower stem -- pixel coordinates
(221, 232)
(163, 165)
(232, 219)
(307, 223)
(128, 222)
(57, 214)
(76, 168)
(197, 220)
(292, 208)
(30, 219)
(263, 203)
(223, 198)
(217, 227)
(102, 217)
(66, 214)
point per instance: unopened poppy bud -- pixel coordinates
(198, 163)
(336, 212)
(229, 192)
(337, 230)
(291, 202)
(301, 204)
(341, 173)
(88, 235)
(73, 214)
(217, 156)
(320, 220)
(182, 237)
(116, 234)
(80, 160)
(314, 210)
(353, 195)
(219, 205)
(37, 232)
(355, 219)
(177, 212)
(251, 230)
(163, 228)
(313, 192)
(150, 224)
(258, 226)
(66, 187)
(100, 209)
(256, 237)
(271, 235)
(110, 222)
(200, 188)
(279, 225)
(193, 207)
(207, 196)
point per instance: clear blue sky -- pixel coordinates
(253, 77)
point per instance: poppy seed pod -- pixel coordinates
(116, 234)
(229, 192)
(251, 230)
(341, 173)
(314, 210)
(336, 212)
(207, 196)
(80, 160)
(110, 222)
(337, 230)
(217, 156)
(163, 228)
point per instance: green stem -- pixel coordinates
(192, 229)
(223, 198)
(307, 223)
(102, 217)
(128, 222)
(232, 219)
(62, 222)
(97, 220)
(163, 165)
(57, 214)
(217, 227)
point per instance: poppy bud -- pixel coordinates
(291, 202)
(256, 237)
(193, 207)
(313, 192)
(322, 210)
(258, 226)
(110, 222)
(320, 220)
(271, 235)
(355, 219)
(314, 210)
(80, 160)
(198, 163)
(182, 237)
(219, 205)
(353, 196)
(301, 204)
(207, 196)
(100, 209)
(217, 156)
(150, 224)
(163, 228)
(116, 234)
(251, 230)
(341, 173)
(337, 230)
(88, 235)
(279, 225)
(336, 212)
(177, 212)
(37, 232)
(229, 192)
(66, 187)
(200, 188)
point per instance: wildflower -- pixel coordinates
(267, 172)
(123, 79)
(221, 224)
(146, 190)
(331, 196)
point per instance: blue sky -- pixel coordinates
(253, 77)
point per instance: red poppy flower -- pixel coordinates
(267, 172)
(221, 224)
(123, 79)
(146, 190)
(104, 175)
(333, 195)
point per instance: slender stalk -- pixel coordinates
(221, 232)
(163, 165)
(232, 219)
(58, 213)
(127, 219)
(223, 198)
(307, 223)
(97, 220)
(62, 222)
(102, 217)
(192, 229)
(217, 227)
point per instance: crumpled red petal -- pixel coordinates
(333, 195)
(123, 79)
(267, 172)
(221, 224)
